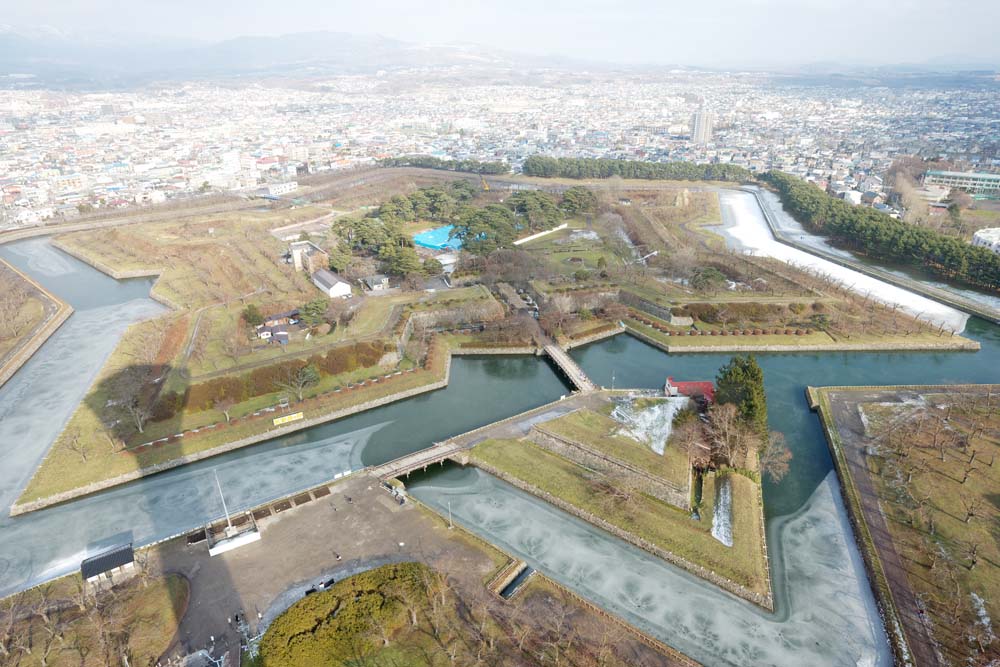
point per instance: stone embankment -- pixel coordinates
(763, 600)
(593, 338)
(58, 312)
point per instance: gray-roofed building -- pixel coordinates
(331, 284)
(110, 567)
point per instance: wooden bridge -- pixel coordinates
(569, 367)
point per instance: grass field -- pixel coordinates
(942, 503)
(601, 433)
(655, 521)
(28, 316)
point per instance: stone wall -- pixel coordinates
(583, 454)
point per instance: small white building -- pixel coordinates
(279, 189)
(988, 238)
(331, 284)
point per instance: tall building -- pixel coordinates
(701, 126)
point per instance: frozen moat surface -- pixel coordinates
(722, 516)
(745, 225)
(650, 425)
(826, 614)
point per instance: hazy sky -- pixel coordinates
(731, 32)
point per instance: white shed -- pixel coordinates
(331, 284)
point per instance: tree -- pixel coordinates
(129, 394)
(741, 382)
(578, 200)
(252, 315)
(73, 442)
(400, 261)
(485, 230)
(297, 381)
(707, 279)
(432, 266)
(731, 438)
(537, 207)
(340, 259)
(224, 405)
(313, 312)
(775, 456)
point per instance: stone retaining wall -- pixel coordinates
(593, 338)
(766, 601)
(28, 348)
(573, 450)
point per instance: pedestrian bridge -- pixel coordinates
(569, 367)
(420, 460)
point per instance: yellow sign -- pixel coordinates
(287, 418)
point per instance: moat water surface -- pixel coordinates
(825, 611)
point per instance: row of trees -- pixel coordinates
(875, 233)
(429, 162)
(550, 167)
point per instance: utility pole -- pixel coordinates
(450, 524)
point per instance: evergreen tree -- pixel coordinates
(741, 382)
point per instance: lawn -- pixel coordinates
(601, 433)
(655, 521)
(29, 315)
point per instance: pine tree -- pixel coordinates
(741, 382)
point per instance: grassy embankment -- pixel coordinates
(601, 432)
(137, 619)
(657, 522)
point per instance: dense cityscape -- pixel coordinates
(64, 153)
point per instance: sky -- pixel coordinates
(730, 33)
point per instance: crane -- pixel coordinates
(482, 180)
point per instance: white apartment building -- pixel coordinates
(988, 238)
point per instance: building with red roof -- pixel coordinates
(702, 389)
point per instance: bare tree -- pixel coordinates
(775, 456)
(973, 505)
(730, 437)
(73, 442)
(297, 381)
(224, 405)
(130, 391)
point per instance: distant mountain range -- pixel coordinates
(48, 57)
(70, 59)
